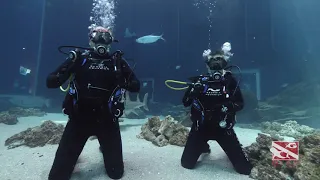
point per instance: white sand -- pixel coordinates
(143, 160)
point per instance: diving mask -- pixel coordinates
(99, 37)
(216, 62)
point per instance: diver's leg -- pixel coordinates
(193, 149)
(109, 137)
(71, 144)
(230, 144)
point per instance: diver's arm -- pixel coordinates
(61, 74)
(132, 82)
(237, 98)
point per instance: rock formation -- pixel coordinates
(24, 112)
(10, 117)
(306, 168)
(7, 118)
(162, 133)
(289, 128)
(47, 133)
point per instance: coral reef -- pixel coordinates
(24, 112)
(10, 117)
(47, 133)
(289, 128)
(162, 133)
(306, 168)
(7, 118)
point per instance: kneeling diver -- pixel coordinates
(214, 98)
(94, 103)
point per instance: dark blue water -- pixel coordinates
(271, 36)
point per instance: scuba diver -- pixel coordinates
(214, 99)
(98, 81)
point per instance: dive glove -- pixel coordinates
(196, 89)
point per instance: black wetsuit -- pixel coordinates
(95, 80)
(206, 114)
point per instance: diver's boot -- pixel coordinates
(206, 149)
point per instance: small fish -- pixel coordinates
(178, 67)
(24, 71)
(128, 34)
(284, 85)
(144, 84)
(148, 39)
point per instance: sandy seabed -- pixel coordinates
(142, 159)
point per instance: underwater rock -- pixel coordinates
(289, 128)
(306, 168)
(10, 117)
(47, 133)
(24, 112)
(162, 133)
(7, 118)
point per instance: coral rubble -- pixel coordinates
(7, 118)
(306, 168)
(289, 128)
(47, 133)
(162, 133)
(24, 112)
(10, 117)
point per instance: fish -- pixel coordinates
(24, 71)
(128, 34)
(148, 39)
(131, 106)
(27, 101)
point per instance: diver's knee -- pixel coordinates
(187, 164)
(244, 169)
(115, 173)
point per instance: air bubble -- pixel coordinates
(206, 4)
(103, 14)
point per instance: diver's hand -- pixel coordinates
(196, 89)
(206, 53)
